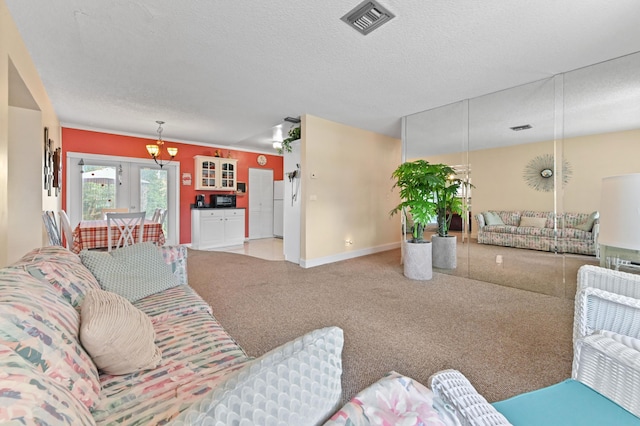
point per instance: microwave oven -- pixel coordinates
(223, 200)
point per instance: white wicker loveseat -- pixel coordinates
(605, 382)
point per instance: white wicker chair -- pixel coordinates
(606, 354)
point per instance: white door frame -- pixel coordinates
(173, 187)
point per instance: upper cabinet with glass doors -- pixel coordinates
(216, 173)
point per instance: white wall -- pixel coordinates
(18, 73)
(292, 207)
(25, 183)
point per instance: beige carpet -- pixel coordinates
(505, 340)
(533, 270)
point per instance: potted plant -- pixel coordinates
(294, 135)
(417, 181)
(448, 203)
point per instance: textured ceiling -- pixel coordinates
(225, 72)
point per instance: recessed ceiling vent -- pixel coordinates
(367, 16)
(519, 128)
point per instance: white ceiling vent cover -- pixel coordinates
(367, 16)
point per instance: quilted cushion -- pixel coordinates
(133, 272)
(119, 337)
(297, 383)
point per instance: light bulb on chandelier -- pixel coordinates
(155, 150)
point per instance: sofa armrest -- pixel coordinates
(471, 408)
(480, 219)
(595, 231)
(610, 368)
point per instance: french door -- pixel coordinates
(96, 182)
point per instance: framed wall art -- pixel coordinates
(52, 166)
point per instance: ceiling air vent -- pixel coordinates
(367, 16)
(519, 128)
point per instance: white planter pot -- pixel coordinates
(444, 252)
(417, 261)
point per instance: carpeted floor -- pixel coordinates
(505, 340)
(533, 270)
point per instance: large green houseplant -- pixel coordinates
(446, 197)
(418, 182)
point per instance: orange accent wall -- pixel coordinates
(85, 141)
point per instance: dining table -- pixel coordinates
(93, 234)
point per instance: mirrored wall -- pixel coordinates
(538, 151)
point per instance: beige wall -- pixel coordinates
(497, 174)
(18, 212)
(346, 180)
(593, 158)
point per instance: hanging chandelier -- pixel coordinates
(155, 150)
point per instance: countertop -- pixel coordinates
(208, 206)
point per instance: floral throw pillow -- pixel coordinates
(393, 400)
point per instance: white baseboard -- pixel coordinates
(304, 263)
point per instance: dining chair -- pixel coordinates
(126, 224)
(65, 225)
(162, 216)
(156, 215)
(49, 219)
(113, 210)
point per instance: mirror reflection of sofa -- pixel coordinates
(576, 232)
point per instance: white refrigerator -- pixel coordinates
(278, 208)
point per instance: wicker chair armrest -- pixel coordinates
(471, 408)
(618, 282)
(597, 309)
(610, 368)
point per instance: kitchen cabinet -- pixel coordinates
(216, 173)
(212, 228)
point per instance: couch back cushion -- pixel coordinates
(581, 221)
(548, 216)
(40, 326)
(492, 219)
(509, 217)
(63, 270)
(534, 222)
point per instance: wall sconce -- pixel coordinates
(155, 151)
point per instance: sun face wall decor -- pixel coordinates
(538, 173)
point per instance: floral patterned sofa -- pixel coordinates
(571, 233)
(195, 372)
